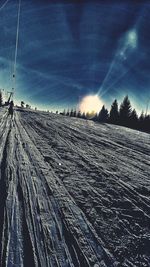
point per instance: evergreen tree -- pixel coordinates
(74, 113)
(133, 119)
(87, 115)
(141, 121)
(71, 113)
(22, 104)
(125, 112)
(95, 117)
(114, 113)
(146, 125)
(28, 106)
(84, 116)
(79, 114)
(1, 99)
(68, 113)
(103, 115)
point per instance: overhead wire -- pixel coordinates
(4, 57)
(16, 45)
(4, 4)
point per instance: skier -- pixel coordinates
(11, 109)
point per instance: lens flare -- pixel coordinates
(90, 104)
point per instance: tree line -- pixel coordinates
(123, 115)
(23, 105)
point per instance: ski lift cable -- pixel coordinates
(4, 4)
(16, 45)
(13, 75)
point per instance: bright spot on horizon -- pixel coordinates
(91, 104)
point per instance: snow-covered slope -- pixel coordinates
(73, 192)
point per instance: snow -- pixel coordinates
(73, 192)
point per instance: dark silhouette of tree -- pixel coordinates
(125, 116)
(141, 121)
(28, 106)
(87, 115)
(74, 113)
(103, 115)
(1, 99)
(125, 112)
(95, 117)
(71, 113)
(79, 115)
(133, 119)
(68, 113)
(114, 113)
(146, 123)
(22, 104)
(84, 116)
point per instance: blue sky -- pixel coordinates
(69, 49)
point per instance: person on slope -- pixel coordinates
(11, 109)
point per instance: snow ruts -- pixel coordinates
(105, 169)
(41, 224)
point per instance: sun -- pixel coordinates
(90, 104)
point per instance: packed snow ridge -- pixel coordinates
(72, 192)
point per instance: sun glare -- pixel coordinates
(90, 104)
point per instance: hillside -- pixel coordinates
(73, 192)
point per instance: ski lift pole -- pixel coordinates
(16, 48)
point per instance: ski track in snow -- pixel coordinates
(73, 192)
